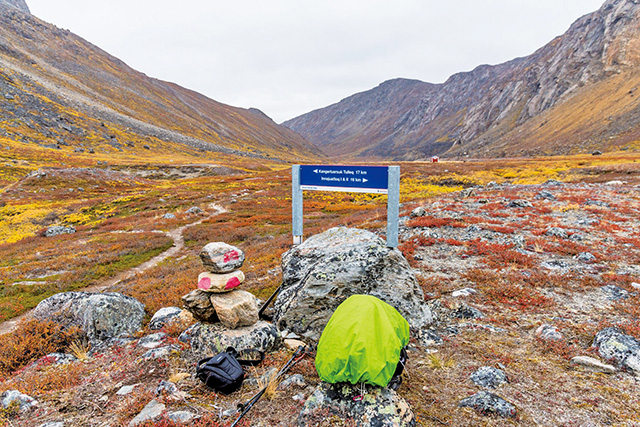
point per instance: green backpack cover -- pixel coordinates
(362, 342)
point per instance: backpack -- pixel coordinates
(363, 342)
(223, 372)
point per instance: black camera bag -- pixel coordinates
(223, 372)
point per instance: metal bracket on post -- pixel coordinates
(296, 196)
(393, 206)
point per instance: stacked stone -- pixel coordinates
(218, 297)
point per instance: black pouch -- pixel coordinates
(396, 380)
(223, 372)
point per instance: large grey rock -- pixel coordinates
(328, 268)
(236, 308)
(220, 257)
(489, 404)
(197, 302)
(380, 407)
(99, 316)
(621, 349)
(23, 401)
(211, 338)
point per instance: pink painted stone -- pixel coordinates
(220, 283)
(219, 257)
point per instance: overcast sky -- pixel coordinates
(288, 57)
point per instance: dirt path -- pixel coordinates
(178, 245)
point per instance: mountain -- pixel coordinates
(578, 93)
(59, 91)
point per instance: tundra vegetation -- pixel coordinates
(524, 275)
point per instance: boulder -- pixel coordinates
(164, 316)
(621, 349)
(100, 316)
(208, 339)
(220, 257)
(220, 283)
(235, 309)
(328, 268)
(592, 364)
(380, 407)
(199, 304)
(152, 411)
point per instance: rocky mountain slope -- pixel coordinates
(57, 90)
(577, 93)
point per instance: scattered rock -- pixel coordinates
(548, 333)
(466, 312)
(194, 210)
(169, 216)
(57, 230)
(545, 195)
(181, 416)
(153, 410)
(163, 317)
(418, 212)
(586, 257)
(52, 424)
(212, 338)
(153, 340)
(489, 377)
(380, 407)
(614, 293)
(160, 352)
(519, 204)
(220, 257)
(127, 389)
(464, 292)
(199, 304)
(59, 358)
(166, 387)
(295, 380)
(235, 309)
(622, 349)
(593, 365)
(557, 232)
(99, 316)
(23, 401)
(328, 268)
(489, 404)
(292, 344)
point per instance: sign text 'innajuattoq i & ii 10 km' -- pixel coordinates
(359, 179)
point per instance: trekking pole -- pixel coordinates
(245, 407)
(266, 304)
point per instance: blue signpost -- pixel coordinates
(360, 179)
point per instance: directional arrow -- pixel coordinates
(365, 180)
(315, 171)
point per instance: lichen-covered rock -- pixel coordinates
(621, 349)
(198, 303)
(57, 230)
(235, 309)
(328, 268)
(164, 316)
(220, 283)
(380, 407)
(489, 377)
(548, 332)
(489, 404)
(212, 338)
(100, 316)
(220, 257)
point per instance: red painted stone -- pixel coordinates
(205, 283)
(231, 256)
(234, 282)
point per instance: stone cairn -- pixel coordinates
(217, 297)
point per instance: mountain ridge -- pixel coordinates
(477, 112)
(69, 79)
